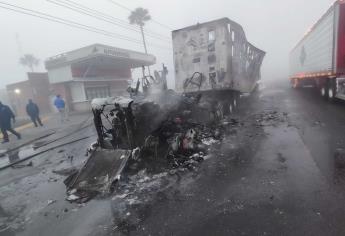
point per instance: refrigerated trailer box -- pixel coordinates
(319, 57)
(215, 56)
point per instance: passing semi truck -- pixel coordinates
(318, 59)
(216, 60)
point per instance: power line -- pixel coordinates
(117, 19)
(130, 10)
(106, 18)
(70, 23)
(111, 20)
(58, 19)
(120, 5)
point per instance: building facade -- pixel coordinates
(36, 87)
(95, 71)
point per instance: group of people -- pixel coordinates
(7, 115)
(33, 111)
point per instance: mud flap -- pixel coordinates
(101, 170)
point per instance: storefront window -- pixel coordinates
(97, 92)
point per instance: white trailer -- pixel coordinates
(319, 57)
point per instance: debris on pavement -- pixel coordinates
(51, 179)
(66, 171)
(269, 118)
(50, 202)
(18, 166)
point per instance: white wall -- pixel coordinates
(59, 75)
(77, 91)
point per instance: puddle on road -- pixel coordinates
(7, 158)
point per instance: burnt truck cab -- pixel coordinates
(215, 56)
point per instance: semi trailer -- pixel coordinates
(318, 59)
(216, 60)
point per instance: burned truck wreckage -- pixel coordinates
(157, 129)
(161, 132)
(215, 59)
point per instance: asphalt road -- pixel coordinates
(273, 175)
(279, 179)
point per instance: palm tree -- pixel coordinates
(139, 17)
(30, 61)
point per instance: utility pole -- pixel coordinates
(145, 47)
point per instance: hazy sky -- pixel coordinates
(272, 25)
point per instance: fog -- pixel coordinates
(274, 26)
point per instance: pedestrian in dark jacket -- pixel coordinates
(34, 112)
(6, 115)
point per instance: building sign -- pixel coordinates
(115, 53)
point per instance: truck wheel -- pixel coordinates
(236, 99)
(232, 103)
(225, 108)
(331, 90)
(294, 83)
(220, 111)
(324, 92)
(330, 94)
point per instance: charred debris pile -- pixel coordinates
(163, 131)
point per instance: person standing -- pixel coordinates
(61, 106)
(34, 112)
(6, 115)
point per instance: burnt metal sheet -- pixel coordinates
(101, 169)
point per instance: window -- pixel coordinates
(97, 92)
(211, 35)
(196, 60)
(211, 59)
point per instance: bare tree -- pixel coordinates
(139, 17)
(30, 61)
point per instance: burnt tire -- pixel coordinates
(235, 103)
(231, 106)
(236, 100)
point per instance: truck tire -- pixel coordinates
(236, 100)
(235, 103)
(220, 111)
(229, 105)
(294, 84)
(324, 91)
(231, 108)
(332, 90)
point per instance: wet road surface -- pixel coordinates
(274, 175)
(283, 181)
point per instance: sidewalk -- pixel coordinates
(51, 126)
(26, 124)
